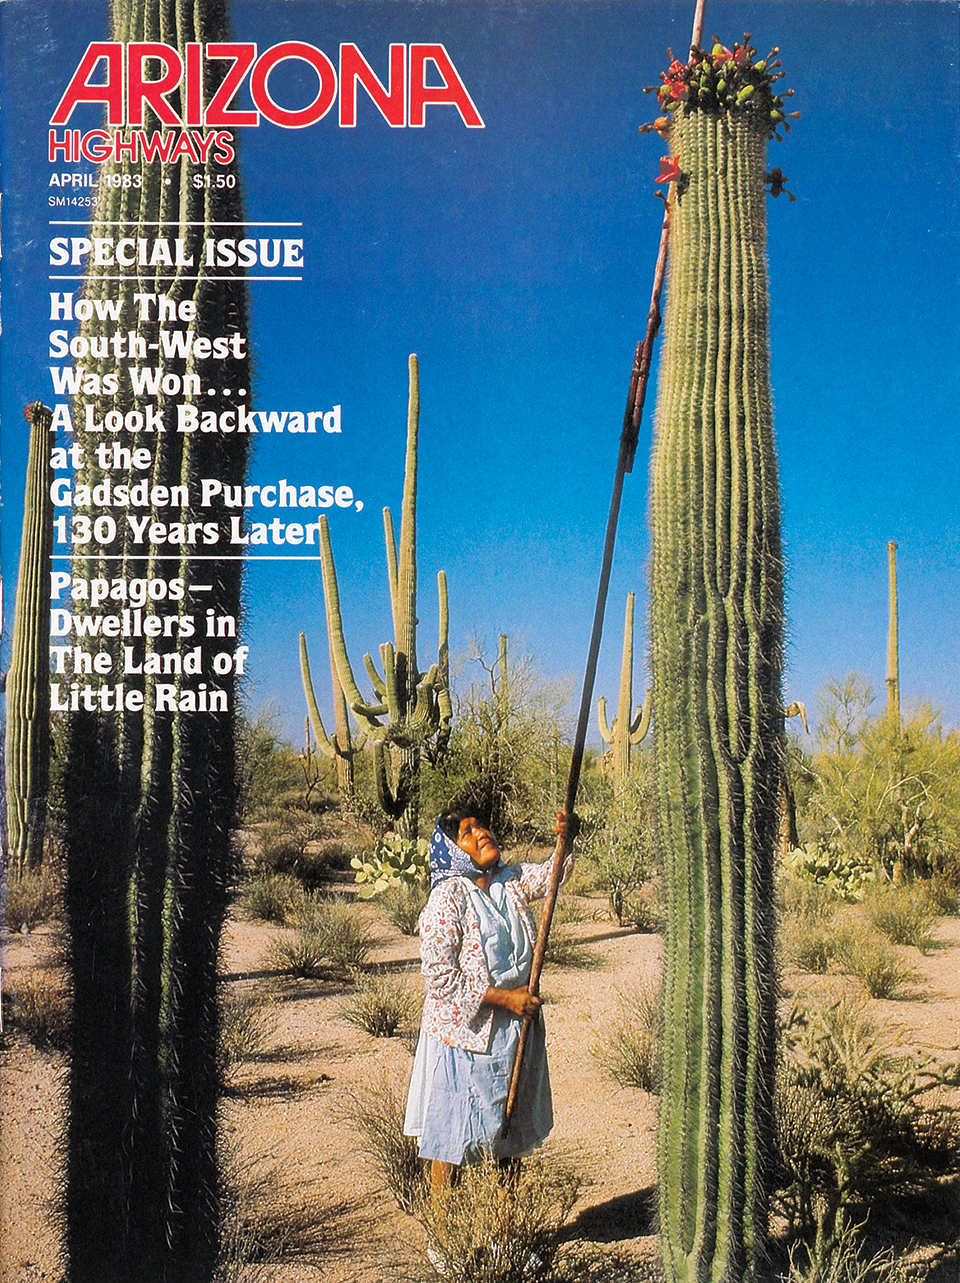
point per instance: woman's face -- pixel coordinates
(479, 843)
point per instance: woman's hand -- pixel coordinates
(568, 826)
(520, 1001)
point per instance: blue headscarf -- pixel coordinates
(447, 860)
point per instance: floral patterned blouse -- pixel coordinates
(453, 965)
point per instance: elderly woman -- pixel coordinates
(476, 945)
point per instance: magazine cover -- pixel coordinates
(535, 414)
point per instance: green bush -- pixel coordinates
(382, 1005)
(631, 1051)
(904, 914)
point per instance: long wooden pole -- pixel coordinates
(639, 378)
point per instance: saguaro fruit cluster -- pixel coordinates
(716, 621)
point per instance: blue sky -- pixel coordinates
(516, 261)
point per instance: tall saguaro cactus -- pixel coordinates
(893, 641)
(411, 712)
(27, 747)
(624, 733)
(716, 622)
(150, 776)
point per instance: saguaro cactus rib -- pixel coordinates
(716, 621)
(27, 755)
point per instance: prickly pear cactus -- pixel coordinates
(716, 622)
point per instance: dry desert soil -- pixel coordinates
(288, 1127)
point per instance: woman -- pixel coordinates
(476, 946)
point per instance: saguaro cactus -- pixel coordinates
(893, 641)
(27, 747)
(340, 746)
(716, 622)
(624, 733)
(150, 777)
(412, 710)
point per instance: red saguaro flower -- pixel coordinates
(669, 169)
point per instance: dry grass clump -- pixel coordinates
(809, 944)
(904, 914)
(882, 970)
(382, 1004)
(329, 937)
(247, 1024)
(39, 1005)
(631, 1051)
(498, 1225)
(273, 897)
(377, 1115)
(565, 950)
(402, 903)
(31, 898)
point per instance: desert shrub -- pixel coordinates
(496, 1225)
(377, 1115)
(284, 840)
(862, 1126)
(402, 904)
(38, 1005)
(844, 1261)
(382, 1004)
(809, 944)
(328, 937)
(31, 898)
(881, 969)
(272, 898)
(631, 1050)
(800, 898)
(904, 914)
(616, 846)
(565, 950)
(246, 1026)
(945, 893)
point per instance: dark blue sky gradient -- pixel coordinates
(516, 261)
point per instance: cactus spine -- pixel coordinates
(150, 785)
(412, 710)
(716, 623)
(27, 756)
(893, 641)
(624, 733)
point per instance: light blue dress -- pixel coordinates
(457, 1098)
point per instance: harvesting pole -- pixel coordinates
(629, 435)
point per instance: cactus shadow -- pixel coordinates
(627, 1216)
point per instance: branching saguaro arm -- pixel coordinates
(27, 756)
(411, 711)
(150, 780)
(624, 733)
(716, 625)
